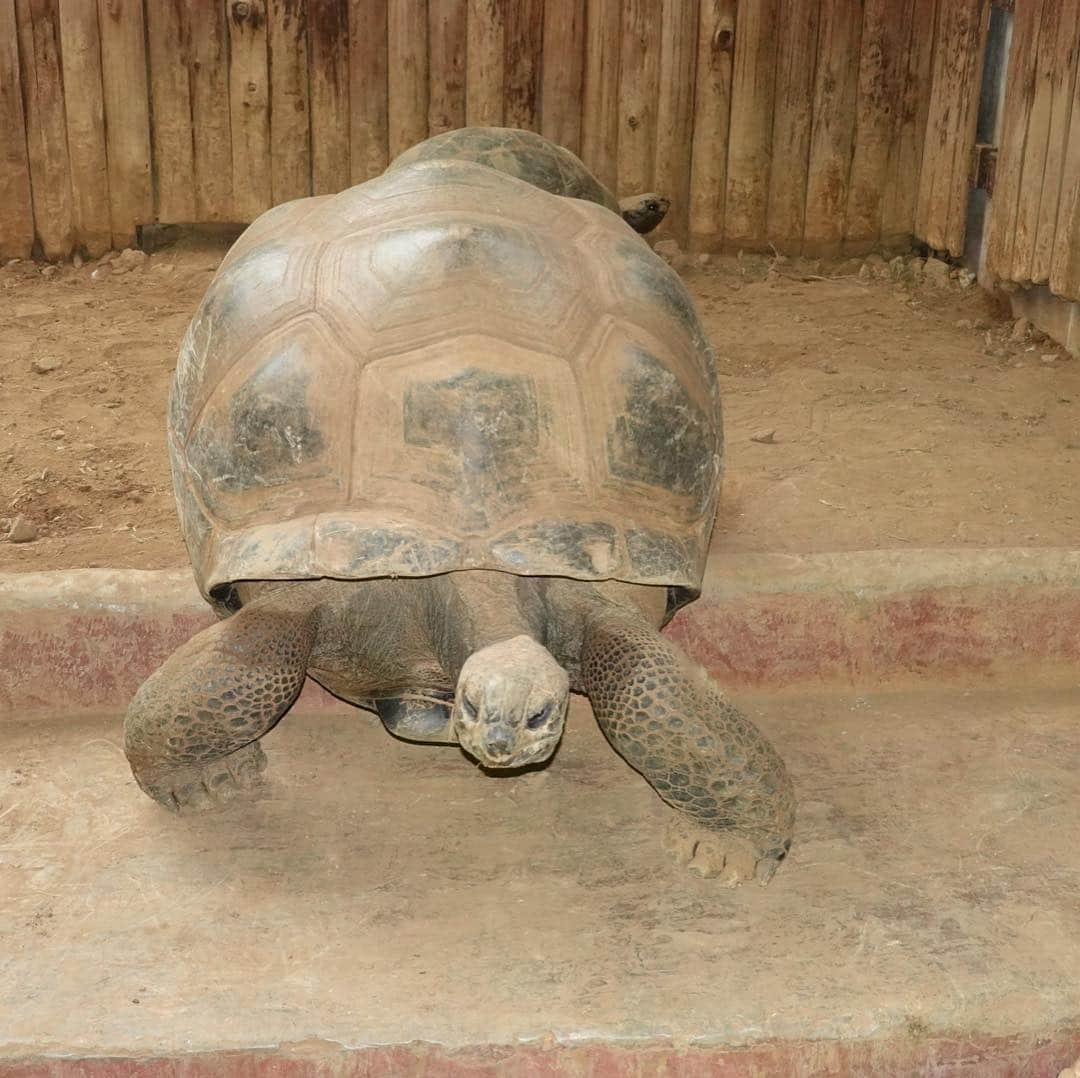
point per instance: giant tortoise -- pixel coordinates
(450, 444)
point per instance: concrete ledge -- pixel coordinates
(945, 1057)
(82, 641)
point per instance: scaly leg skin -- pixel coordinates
(664, 716)
(191, 733)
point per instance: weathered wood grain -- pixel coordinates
(796, 55)
(675, 113)
(524, 36)
(16, 204)
(562, 76)
(749, 160)
(1065, 262)
(368, 89)
(639, 75)
(328, 39)
(836, 83)
(447, 39)
(712, 111)
(80, 47)
(901, 184)
(484, 63)
(600, 92)
(46, 134)
(1064, 62)
(290, 109)
(408, 65)
(211, 114)
(879, 91)
(249, 100)
(170, 114)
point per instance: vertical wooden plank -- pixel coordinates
(753, 83)
(328, 36)
(796, 55)
(600, 92)
(1034, 145)
(368, 92)
(901, 184)
(639, 74)
(127, 116)
(484, 64)
(16, 205)
(832, 134)
(290, 108)
(249, 106)
(562, 76)
(170, 127)
(1065, 263)
(211, 120)
(80, 48)
(46, 135)
(675, 113)
(712, 112)
(447, 35)
(1064, 49)
(1019, 93)
(943, 181)
(408, 65)
(524, 35)
(881, 56)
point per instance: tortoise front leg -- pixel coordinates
(191, 733)
(668, 721)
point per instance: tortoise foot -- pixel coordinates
(731, 859)
(193, 789)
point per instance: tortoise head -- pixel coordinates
(510, 704)
(644, 212)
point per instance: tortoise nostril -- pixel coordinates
(499, 741)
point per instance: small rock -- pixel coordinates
(704, 258)
(12, 262)
(765, 437)
(132, 258)
(1021, 329)
(46, 364)
(22, 531)
(99, 273)
(865, 273)
(964, 323)
(965, 278)
(670, 251)
(936, 273)
(49, 271)
(77, 260)
(876, 265)
(828, 368)
(897, 268)
(57, 434)
(967, 378)
(916, 267)
(1049, 358)
(117, 267)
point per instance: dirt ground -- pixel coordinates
(866, 406)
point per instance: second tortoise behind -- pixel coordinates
(450, 444)
(539, 161)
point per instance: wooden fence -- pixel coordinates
(820, 126)
(1034, 227)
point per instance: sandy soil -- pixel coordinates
(891, 410)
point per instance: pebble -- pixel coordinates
(49, 271)
(22, 531)
(1049, 358)
(76, 260)
(671, 253)
(57, 434)
(1021, 329)
(765, 437)
(828, 368)
(46, 364)
(936, 272)
(99, 273)
(964, 323)
(704, 258)
(132, 258)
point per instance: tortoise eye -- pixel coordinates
(469, 707)
(534, 722)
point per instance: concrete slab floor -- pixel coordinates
(380, 892)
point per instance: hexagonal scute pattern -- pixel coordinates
(445, 368)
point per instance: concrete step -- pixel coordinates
(388, 909)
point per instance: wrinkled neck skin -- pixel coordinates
(473, 609)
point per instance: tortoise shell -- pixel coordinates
(524, 154)
(445, 368)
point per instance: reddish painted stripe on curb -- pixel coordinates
(83, 641)
(946, 1056)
